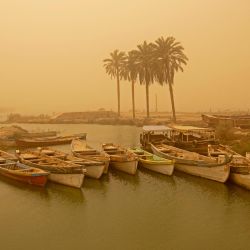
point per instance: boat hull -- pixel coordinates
(40, 180)
(128, 167)
(242, 180)
(33, 144)
(219, 174)
(94, 171)
(161, 168)
(72, 180)
(106, 167)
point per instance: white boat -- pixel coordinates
(240, 165)
(81, 149)
(60, 171)
(154, 162)
(128, 167)
(242, 180)
(94, 169)
(72, 180)
(192, 163)
(121, 159)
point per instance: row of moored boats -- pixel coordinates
(164, 149)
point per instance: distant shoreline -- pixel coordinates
(107, 118)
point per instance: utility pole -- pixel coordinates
(156, 104)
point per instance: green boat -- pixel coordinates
(154, 162)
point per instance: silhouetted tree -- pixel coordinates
(129, 72)
(113, 66)
(145, 67)
(169, 58)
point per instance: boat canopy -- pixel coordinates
(156, 128)
(183, 128)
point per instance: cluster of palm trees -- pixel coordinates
(149, 63)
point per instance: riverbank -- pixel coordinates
(109, 118)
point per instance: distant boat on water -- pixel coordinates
(46, 141)
(242, 121)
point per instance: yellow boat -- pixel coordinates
(154, 162)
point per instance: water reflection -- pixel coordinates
(65, 193)
(12, 185)
(157, 177)
(125, 179)
(97, 184)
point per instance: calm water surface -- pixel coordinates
(146, 211)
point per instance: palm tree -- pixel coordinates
(144, 67)
(129, 72)
(113, 66)
(170, 58)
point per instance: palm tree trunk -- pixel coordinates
(133, 98)
(118, 93)
(147, 98)
(172, 100)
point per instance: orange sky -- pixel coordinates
(51, 53)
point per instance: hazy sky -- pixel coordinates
(51, 52)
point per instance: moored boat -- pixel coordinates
(240, 165)
(81, 149)
(121, 159)
(23, 173)
(94, 169)
(154, 162)
(61, 172)
(190, 138)
(45, 141)
(242, 121)
(8, 156)
(212, 168)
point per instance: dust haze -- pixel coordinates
(51, 53)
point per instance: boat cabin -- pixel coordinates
(191, 133)
(154, 135)
(186, 137)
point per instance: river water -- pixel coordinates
(146, 211)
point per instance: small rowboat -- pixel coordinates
(61, 172)
(23, 173)
(217, 169)
(121, 158)
(8, 156)
(94, 169)
(45, 141)
(154, 162)
(80, 149)
(240, 165)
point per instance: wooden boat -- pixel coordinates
(154, 162)
(23, 173)
(45, 141)
(39, 134)
(212, 168)
(240, 165)
(80, 149)
(242, 121)
(8, 156)
(61, 172)
(190, 138)
(121, 159)
(94, 169)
